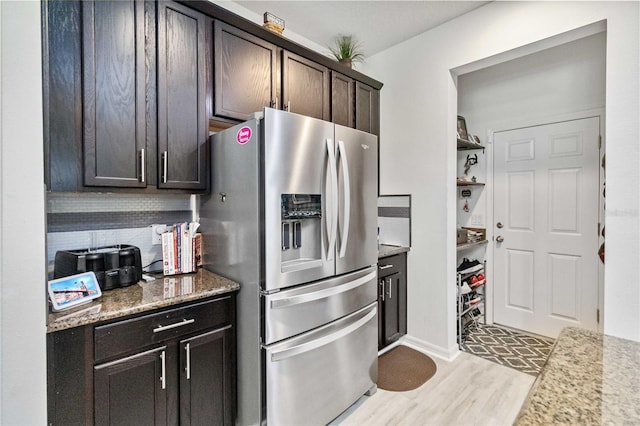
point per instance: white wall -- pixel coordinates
(418, 156)
(554, 82)
(22, 243)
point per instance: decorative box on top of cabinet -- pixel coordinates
(392, 298)
(173, 366)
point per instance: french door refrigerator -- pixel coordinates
(292, 217)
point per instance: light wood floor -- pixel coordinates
(467, 391)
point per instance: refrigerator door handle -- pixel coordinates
(332, 221)
(347, 199)
(322, 341)
(322, 294)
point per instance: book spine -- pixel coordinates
(167, 254)
(176, 259)
(198, 249)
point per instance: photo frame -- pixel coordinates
(462, 128)
(74, 290)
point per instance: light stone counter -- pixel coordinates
(588, 379)
(142, 297)
(385, 250)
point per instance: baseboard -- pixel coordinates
(420, 345)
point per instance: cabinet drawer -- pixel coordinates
(135, 334)
(389, 265)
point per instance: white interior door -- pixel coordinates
(546, 226)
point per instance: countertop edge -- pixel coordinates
(124, 302)
(385, 250)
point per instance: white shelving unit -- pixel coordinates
(468, 315)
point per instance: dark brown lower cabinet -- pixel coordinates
(173, 366)
(392, 299)
(127, 391)
(206, 369)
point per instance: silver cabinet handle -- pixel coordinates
(389, 293)
(143, 162)
(187, 349)
(165, 161)
(383, 267)
(174, 325)
(346, 190)
(289, 106)
(163, 377)
(275, 104)
(333, 225)
(382, 292)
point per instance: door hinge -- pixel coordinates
(598, 229)
(599, 142)
(598, 316)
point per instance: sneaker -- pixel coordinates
(477, 281)
(474, 301)
(469, 266)
(464, 288)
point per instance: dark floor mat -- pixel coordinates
(403, 369)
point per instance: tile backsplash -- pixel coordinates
(394, 220)
(84, 220)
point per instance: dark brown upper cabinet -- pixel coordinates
(305, 87)
(183, 37)
(367, 108)
(246, 70)
(113, 100)
(342, 99)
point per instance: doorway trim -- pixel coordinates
(531, 122)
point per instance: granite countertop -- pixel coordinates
(589, 378)
(142, 297)
(386, 250)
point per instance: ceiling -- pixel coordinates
(378, 25)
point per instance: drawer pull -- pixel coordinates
(174, 325)
(383, 267)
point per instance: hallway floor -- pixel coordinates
(468, 391)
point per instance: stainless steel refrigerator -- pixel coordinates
(292, 217)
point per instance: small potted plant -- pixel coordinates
(347, 50)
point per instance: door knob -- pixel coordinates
(499, 225)
(499, 238)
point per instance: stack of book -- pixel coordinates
(181, 248)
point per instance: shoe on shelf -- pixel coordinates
(464, 288)
(474, 301)
(477, 281)
(469, 266)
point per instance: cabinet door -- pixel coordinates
(342, 99)
(367, 109)
(132, 390)
(392, 308)
(246, 73)
(113, 93)
(182, 80)
(305, 87)
(207, 379)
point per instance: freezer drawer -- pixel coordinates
(312, 378)
(294, 311)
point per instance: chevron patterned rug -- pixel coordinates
(506, 347)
